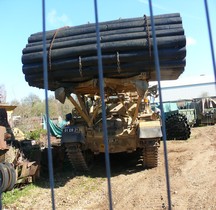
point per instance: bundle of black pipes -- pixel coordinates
(126, 45)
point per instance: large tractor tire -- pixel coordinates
(4, 177)
(12, 176)
(177, 127)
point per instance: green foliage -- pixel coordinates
(32, 108)
(11, 197)
(35, 135)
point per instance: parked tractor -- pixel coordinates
(177, 121)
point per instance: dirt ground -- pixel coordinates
(192, 172)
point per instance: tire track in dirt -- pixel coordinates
(194, 171)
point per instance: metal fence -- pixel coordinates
(100, 72)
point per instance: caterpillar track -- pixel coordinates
(150, 154)
(177, 127)
(76, 157)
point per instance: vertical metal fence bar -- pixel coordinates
(101, 83)
(0, 194)
(157, 66)
(210, 38)
(45, 75)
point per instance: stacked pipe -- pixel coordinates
(126, 45)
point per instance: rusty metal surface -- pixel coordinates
(3, 144)
(7, 107)
(27, 169)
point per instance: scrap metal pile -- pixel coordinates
(127, 51)
(16, 165)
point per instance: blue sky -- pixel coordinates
(20, 19)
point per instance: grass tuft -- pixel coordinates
(11, 197)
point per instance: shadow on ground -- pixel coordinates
(123, 163)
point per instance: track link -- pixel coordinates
(76, 157)
(150, 154)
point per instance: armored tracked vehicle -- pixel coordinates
(128, 66)
(131, 125)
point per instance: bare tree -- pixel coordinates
(31, 99)
(204, 95)
(3, 94)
